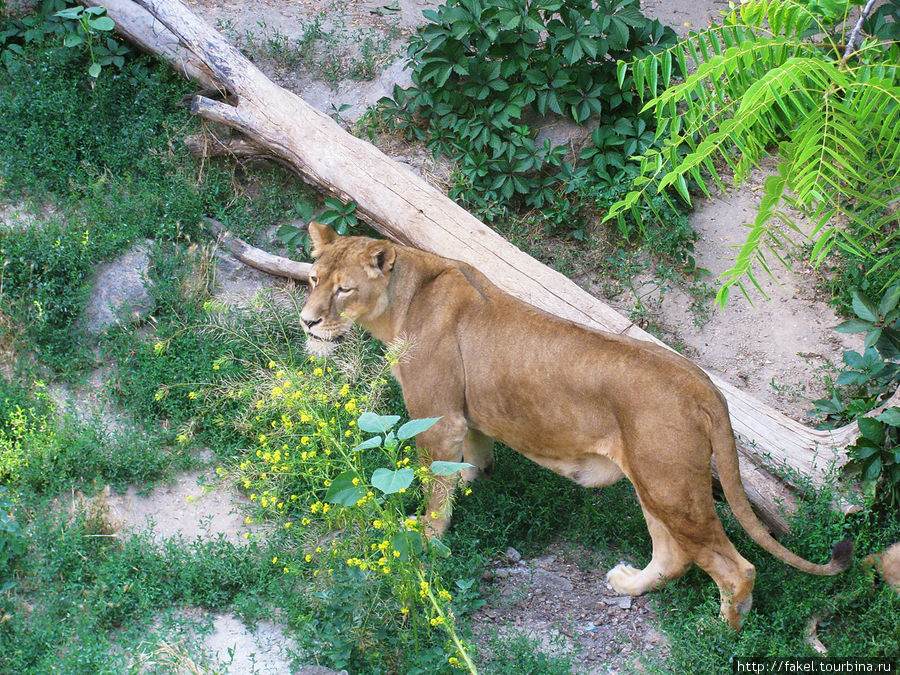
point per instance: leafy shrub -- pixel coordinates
(866, 380)
(12, 538)
(338, 482)
(87, 28)
(482, 71)
(780, 74)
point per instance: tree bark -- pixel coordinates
(405, 208)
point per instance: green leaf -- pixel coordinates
(102, 23)
(853, 326)
(407, 544)
(342, 490)
(94, 70)
(873, 470)
(392, 481)
(439, 547)
(889, 301)
(872, 337)
(415, 427)
(890, 416)
(374, 442)
(871, 429)
(376, 424)
(440, 468)
(863, 308)
(73, 40)
(70, 13)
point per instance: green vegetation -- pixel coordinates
(320, 50)
(109, 160)
(94, 165)
(485, 76)
(781, 74)
(866, 381)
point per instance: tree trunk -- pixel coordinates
(405, 208)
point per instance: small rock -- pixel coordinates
(547, 581)
(622, 601)
(513, 555)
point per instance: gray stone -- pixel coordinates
(119, 290)
(512, 555)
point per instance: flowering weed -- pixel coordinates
(338, 485)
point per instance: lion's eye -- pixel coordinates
(344, 290)
(313, 280)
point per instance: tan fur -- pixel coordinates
(592, 406)
(888, 565)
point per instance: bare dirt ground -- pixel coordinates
(775, 349)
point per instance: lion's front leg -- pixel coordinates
(443, 442)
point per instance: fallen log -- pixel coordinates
(405, 208)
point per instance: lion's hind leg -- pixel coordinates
(733, 574)
(669, 561)
(690, 520)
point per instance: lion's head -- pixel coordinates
(348, 284)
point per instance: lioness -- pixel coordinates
(589, 405)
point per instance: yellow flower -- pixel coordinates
(305, 521)
(287, 525)
(308, 558)
(377, 524)
(271, 364)
(444, 595)
(275, 560)
(192, 395)
(317, 372)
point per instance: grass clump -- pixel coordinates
(102, 167)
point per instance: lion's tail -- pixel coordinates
(725, 452)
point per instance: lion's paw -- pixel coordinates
(621, 578)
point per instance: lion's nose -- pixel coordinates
(309, 323)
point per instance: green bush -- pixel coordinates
(483, 72)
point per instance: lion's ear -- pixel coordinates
(381, 255)
(320, 236)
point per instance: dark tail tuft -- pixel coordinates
(842, 554)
